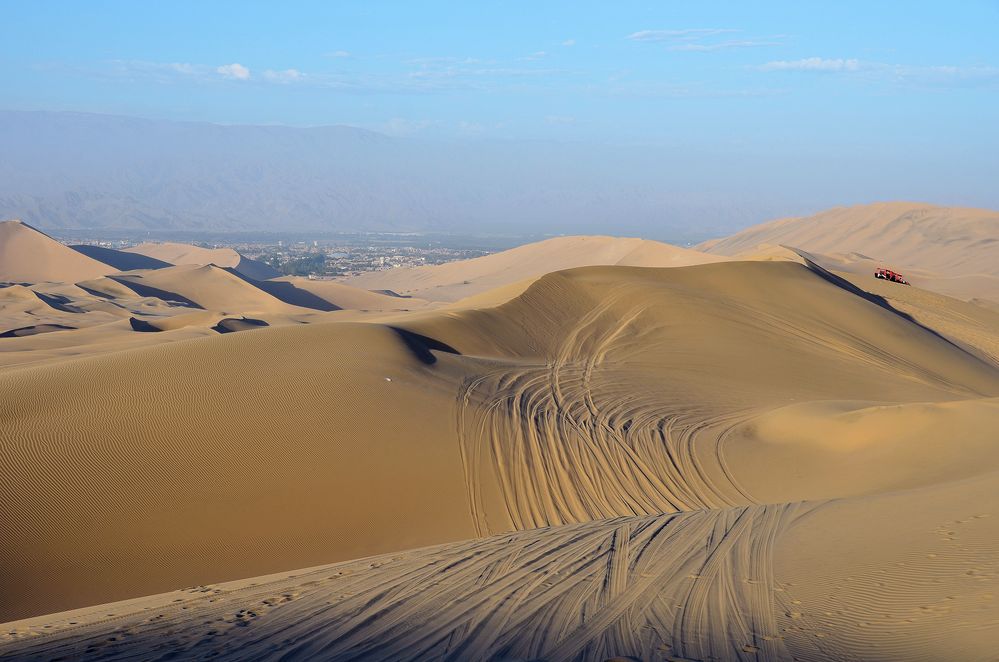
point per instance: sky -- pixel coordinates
(879, 87)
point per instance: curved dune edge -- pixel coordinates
(595, 394)
(949, 250)
(500, 273)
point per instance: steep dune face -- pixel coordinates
(30, 256)
(598, 393)
(953, 250)
(456, 280)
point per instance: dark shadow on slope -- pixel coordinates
(96, 293)
(392, 293)
(421, 345)
(232, 324)
(35, 330)
(59, 302)
(255, 269)
(149, 291)
(142, 326)
(287, 292)
(120, 260)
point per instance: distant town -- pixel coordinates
(332, 257)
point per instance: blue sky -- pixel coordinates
(904, 95)
(614, 71)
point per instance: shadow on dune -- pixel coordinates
(35, 330)
(287, 292)
(233, 324)
(120, 260)
(255, 269)
(143, 326)
(155, 292)
(877, 300)
(59, 302)
(421, 345)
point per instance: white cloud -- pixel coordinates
(670, 35)
(702, 40)
(721, 45)
(338, 54)
(285, 76)
(569, 42)
(234, 70)
(535, 56)
(560, 119)
(813, 64)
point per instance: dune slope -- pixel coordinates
(456, 280)
(952, 250)
(178, 254)
(598, 393)
(30, 256)
(901, 577)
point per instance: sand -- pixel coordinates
(457, 280)
(951, 250)
(84, 307)
(30, 256)
(747, 460)
(177, 254)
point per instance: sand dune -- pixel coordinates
(208, 287)
(120, 260)
(178, 254)
(773, 458)
(351, 298)
(456, 280)
(30, 256)
(598, 393)
(910, 580)
(165, 299)
(951, 250)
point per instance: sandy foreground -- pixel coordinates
(747, 460)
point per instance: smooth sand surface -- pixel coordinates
(352, 298)
(747, 460)
(458, 280)
(30, 256)
(951, 250)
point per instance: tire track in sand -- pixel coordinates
(562, 451)
(695, 585)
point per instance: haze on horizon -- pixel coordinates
(658, 119)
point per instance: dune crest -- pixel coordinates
(457, 280)
(30, 256)
(951, 250)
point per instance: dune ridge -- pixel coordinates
(453, 281)
(180, 254)
(753, 459)
(30, 256)
(951, 250)
(551, 409)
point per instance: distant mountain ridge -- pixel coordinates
(79, 171)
